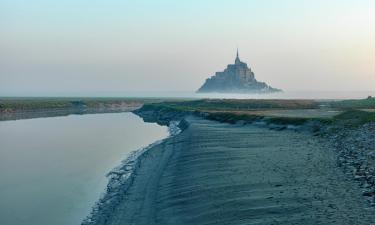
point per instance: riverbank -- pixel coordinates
(122, 177)
(170, 187)
(234, 174)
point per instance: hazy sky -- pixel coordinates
(85, 47)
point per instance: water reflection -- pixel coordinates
(52, 170)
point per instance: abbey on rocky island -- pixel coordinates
(236, 78)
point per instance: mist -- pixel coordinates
(83, 48)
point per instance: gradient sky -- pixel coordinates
(88, 47)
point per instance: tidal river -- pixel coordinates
(52, 170)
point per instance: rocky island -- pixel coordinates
(236, 78)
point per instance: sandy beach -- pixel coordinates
(217, 173)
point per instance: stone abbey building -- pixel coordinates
(236, 78)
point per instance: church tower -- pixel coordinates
(237, 61)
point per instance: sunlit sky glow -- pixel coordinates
(88, 47)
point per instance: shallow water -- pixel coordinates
(52, 170)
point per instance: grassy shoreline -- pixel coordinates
(280, 112)
(276, 111)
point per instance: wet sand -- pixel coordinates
(215, 173)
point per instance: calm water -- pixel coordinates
(52, 170)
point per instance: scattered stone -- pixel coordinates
(356, 154)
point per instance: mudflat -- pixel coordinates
(216, 173)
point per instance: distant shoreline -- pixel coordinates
(58, 112)
(28, 108)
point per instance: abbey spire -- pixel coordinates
(237, 61)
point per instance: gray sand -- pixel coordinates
(214, 173)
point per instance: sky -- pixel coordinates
(109, 47)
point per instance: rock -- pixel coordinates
(356, 152)
(367, 193)
(357, 177)
(236, 78)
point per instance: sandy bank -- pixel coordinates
(40, 113)
(27, 108)
(215, 173)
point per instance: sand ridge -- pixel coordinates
(216, 173)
